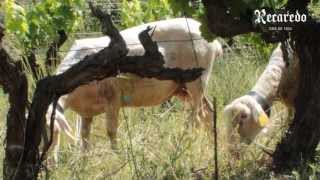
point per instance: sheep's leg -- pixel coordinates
(194, 99)
(112, 123)
(85, 127)
(56, 145)
(201, 107)
(207, 113)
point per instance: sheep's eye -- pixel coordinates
(243, 116)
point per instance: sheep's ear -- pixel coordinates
(263, 119)
(227, 111)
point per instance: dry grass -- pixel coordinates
(155, 143)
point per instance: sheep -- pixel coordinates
(127, 90)
(251, 112)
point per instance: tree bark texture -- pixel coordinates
(52, 59)
(301, 139)
(14, 82)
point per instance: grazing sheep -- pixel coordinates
(251, 112)
(110, 94)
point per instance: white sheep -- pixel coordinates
(250, 113)
(182, 46)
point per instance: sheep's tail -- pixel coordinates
(215, 50)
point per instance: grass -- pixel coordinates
(157, 144)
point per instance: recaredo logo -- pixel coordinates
(287, 18)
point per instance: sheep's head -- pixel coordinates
(246, 114)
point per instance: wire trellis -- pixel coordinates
(129, 44)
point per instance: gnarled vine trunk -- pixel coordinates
(14, 82)
(301, 139)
